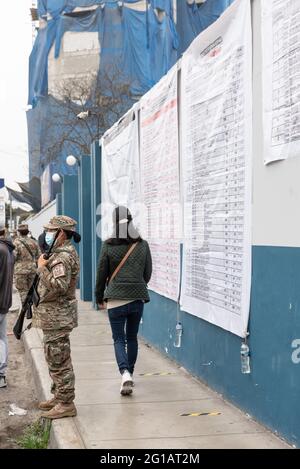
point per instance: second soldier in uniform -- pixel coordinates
(26, 255)
(57, 314)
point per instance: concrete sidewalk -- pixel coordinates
(152, 416)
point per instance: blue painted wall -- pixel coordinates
(70, 199)
(68, 204)
(95, 201)
(85, 247)
(58, 204)
(271, 393)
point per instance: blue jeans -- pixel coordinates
(3, 345)
(125, 321)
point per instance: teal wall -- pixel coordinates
(67, 201)
(271, 392)
(58, 204)
(95, 216)
(70, 198)
(85, 247)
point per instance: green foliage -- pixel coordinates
(36, 435)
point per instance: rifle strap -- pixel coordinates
(27, 247)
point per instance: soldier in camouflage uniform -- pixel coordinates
(14, 235)
(26, 254)
(57, 312)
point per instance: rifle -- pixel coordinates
(31, 299)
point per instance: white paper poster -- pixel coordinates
(216, 170)
(120, 163)
(281, 78)
(160, 182)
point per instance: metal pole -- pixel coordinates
(10, 213)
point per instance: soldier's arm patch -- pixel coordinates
(59, 270)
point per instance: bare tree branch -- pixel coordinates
(100, 100)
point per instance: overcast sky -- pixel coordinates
(15, 47)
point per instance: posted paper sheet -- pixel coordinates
(120, 169)
(160, 182)
(216, 139)
(281, 78)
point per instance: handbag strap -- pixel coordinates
(123, 262)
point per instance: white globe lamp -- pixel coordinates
(71, 160)
(56, 177)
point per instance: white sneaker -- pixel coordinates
(126, 384)
(3, 383)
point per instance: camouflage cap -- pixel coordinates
(22, 226)
(61, 222)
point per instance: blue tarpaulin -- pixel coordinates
(38, 63)
(165, 5)
(193, 18)
(142, 45)
(1, 183)
(53, 7)
(87, 22)
(56, 7)
(136, 42)
(42, 8)
(163, 38)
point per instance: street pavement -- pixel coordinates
(168, 409)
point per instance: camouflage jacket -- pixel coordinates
(57, 289)
(25, 262)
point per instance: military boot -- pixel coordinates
(61, 410)
(48, 405)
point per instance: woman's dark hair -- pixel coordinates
(72, 234)
(23, 232)
(124, 232)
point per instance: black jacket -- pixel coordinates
(6, 274)
(42, 243)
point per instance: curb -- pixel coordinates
(64, 433)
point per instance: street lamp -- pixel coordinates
(72, 160)
(10, 212)
(57, 177)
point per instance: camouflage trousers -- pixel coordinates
(23, 282)
(58, 357)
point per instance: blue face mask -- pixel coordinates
(49, 238)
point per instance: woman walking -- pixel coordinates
(125, 268)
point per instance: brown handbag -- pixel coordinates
(116, 271)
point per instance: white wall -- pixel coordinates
(276, 187)
(37, 222)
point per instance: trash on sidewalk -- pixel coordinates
(15, 410)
